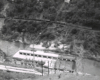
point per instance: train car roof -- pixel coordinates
(52, 54)
(40, 53)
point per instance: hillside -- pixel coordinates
(81, 12)
(78, 16)
(78, 13)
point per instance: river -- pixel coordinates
(11, 48)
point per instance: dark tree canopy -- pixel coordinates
(84, 13)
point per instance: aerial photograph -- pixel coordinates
(49, 39)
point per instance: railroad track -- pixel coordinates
(21, 70)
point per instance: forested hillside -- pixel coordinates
(77, 13)
(85, 12)
(81, 12)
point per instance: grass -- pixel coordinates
(6, 75)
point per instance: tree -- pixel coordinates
(1, 5)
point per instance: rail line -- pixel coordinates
(22, 70)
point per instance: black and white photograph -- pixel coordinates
(49, 39)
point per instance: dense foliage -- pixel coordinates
(2, 4)
(79, 12)
(34, 9)
(84, 12)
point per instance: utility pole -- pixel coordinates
(42, 67)
(55, 67)
(48, 67)
(42, 70)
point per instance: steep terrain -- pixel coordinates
(78, 13)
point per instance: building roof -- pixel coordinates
(39, 53)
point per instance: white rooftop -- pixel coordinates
(38, 52)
